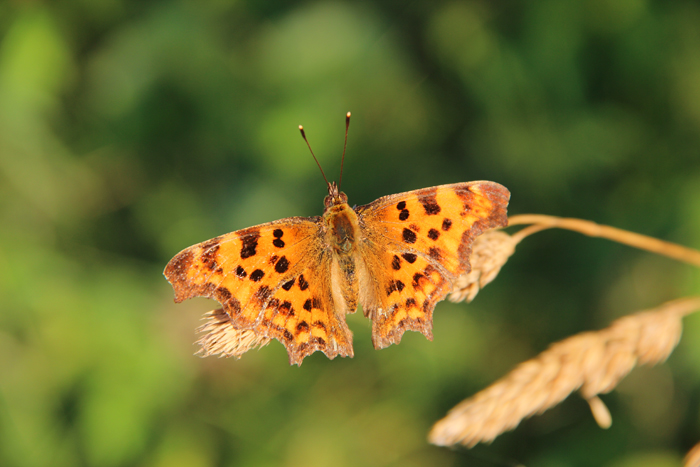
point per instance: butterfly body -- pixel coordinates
(295, 279)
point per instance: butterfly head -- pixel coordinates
(334, 197)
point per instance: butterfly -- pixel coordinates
(295, 279)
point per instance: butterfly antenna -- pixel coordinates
(303, 135)
(345, 146)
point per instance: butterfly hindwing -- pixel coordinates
(416, 245)
(302, 314)
(273, 279)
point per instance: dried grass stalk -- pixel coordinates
(223, 339)
(593, 362)
(490, 252)
(692, 459)
(643, 242)
(492, 249)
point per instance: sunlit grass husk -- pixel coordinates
(592, 362)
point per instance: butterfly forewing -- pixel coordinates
(271, 279)
(415, 246)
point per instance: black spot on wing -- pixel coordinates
(446, 224)
(396, 263)
(417, 277)
(410, 257)
(409, 236)
(282, 265)
(429, 202)
(240, 272)
(285, 308)
(303, 285)
(232, 306)
(395, 286)
(256, 275)
(312, 303)
(250, 244)
(223, 293)
(435, 253)
(288, 285)
(433, 234)
(262, 294)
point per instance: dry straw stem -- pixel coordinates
(692, 459)
(593, 362)
(223, 339)
(541, 222)
(492, 249)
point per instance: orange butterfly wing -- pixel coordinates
(415, 246)
(272, 279)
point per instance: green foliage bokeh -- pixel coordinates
(130, 130)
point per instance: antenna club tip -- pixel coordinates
(301, 128)
(347, 115)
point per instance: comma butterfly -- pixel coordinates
(295, 279)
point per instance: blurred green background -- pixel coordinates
(130, 130)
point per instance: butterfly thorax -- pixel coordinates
(340, 221)
(341, 228)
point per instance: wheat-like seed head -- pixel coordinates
(223, 339)
(593, 362)
(490, 252)
(692, 459)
